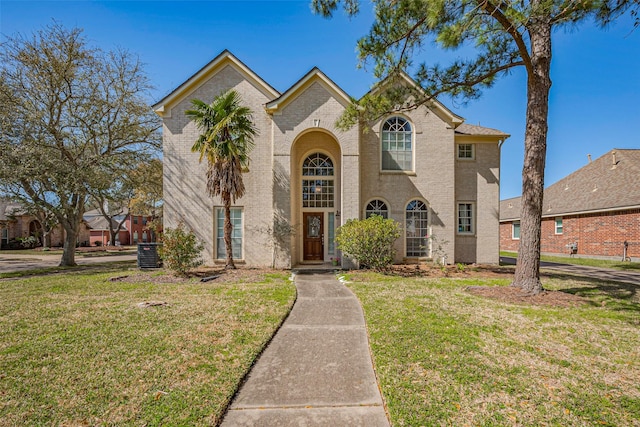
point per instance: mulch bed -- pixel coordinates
(513, 295)
(505, 294)
(241, 274)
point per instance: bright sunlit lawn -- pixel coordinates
(77, 350)
(445, 357)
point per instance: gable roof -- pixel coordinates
(100, 223)
(215, 65)
(441, 111)
(609, 183)
(314, 75)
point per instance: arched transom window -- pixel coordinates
(397, 145)
(317, 181)
(417, 229)
(376, 207)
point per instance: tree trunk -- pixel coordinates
(46, 238)
(228, 228)
(69, 250)
(527, 274)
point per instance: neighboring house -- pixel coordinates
(16, 224)
(134, 230)
(428, 170)
(591, 212)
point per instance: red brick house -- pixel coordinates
(134, 230)
(590, 213)
(16, 224)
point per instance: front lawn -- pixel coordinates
(447, 357)
(76, 348)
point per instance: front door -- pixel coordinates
(313, 236)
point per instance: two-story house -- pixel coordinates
(425, 168)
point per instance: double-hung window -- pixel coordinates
(236, 233)
(465, 218)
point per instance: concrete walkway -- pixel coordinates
(317, 370)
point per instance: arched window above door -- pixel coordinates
(317, 181)
(317, 164)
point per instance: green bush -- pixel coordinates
(369, 241)
(180, 250)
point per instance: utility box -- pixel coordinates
(148, 256)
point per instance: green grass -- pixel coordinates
(76, 349)
(590, 262)
(107, 266)
(446, 357)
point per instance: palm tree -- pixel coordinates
(226, 140)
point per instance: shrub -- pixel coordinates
(369, 241)
(180, 250)
(28, 242)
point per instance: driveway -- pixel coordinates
(607, 274)
(21, 262)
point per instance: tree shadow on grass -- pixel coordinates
(617, 296)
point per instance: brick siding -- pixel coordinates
(598, 234)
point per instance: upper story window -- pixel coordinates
(376, 207)
(397, 145)
(317, 181)
(466, 151)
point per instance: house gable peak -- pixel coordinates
(313, 76)
(433, 104)
(224, 59)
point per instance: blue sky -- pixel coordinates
(596, 73)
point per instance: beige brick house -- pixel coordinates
(425, 168)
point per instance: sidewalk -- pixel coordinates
(317, 371)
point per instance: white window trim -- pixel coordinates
(473, 219)
(555, 226)
(513, 225)
(466, 159)
(215, 232)
(411, 171)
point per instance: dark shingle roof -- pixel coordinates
(610, 182)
